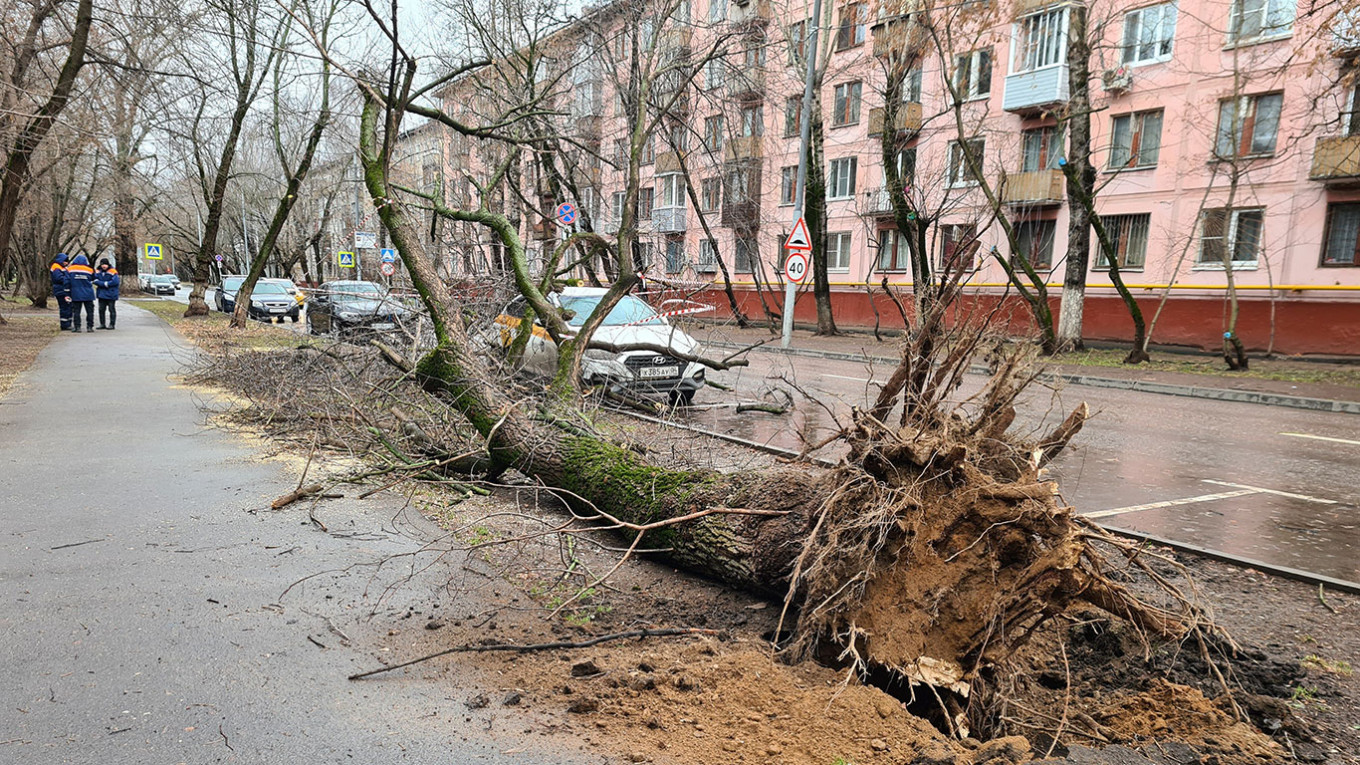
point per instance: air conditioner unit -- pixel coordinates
(1118, 80)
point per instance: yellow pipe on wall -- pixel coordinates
(1220, 287)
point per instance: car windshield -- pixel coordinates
(352, 291)
(232, 284)
(630, 310)
(164, 279)
(266, 288)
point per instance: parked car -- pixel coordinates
(345, 307)
(174, 278)
(292, 289)
(269, 301)
(632, 321)
(226, 293)
(159, 284)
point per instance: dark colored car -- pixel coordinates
(346, 307)
(226, 293)
(160, 284)
(269, 301)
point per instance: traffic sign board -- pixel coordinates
(154, 252)
(799, 239)
(219, 257)
(365, 240)
(388, 269)
(389, 255)
(346, 259)
(796, 266)
(566, 213)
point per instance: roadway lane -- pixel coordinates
(1274, 484)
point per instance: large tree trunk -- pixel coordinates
(814, 213)
(1081, 179)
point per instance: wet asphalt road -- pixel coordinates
(1215, 474)
(144, 579)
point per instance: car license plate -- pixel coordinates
(649, 373)
(383, 325)
(277, 310)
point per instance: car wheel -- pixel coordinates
(294, 317)
(682, 398)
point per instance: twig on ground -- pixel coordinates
(1322, 598)
(301, 492)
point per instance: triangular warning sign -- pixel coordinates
(799, 239)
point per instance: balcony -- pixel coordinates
(1036, 91)
(1346, 34)
(742, 147)
(746, 84)
(668, 220)
(667, 162)
(588, 126)
(676, 40)
(877, 203)
(751, 13)
(1027, 7)
(1036, 189)
(743, 216)
(897, 37)
(1336, 159)
(906, 120)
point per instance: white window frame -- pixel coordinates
(717, 11)
(1137, 122)
(670, 191)
(1350, 116)
(1230, 237)
(752, 121)
(840, 178)
(1136, 23)
(1039, 41)
(617, 204)
(1270, 28)
(839, 246)
(715, 74)
(967, 68)
(1246, 105)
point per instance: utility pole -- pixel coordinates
(805, 135)
(358, 254)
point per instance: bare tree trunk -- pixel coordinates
(1081, 179)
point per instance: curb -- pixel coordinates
(1142, 386)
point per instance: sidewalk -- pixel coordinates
(1226, 386)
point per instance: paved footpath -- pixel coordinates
(142, 578)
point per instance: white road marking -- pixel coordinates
(1170, 503)
(1323, 438)
(1303, 497)
(855, 379)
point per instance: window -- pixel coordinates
(708, 255)
(957, 246)
(717, 10)
(1261, 19)
(1041, 149)
(838, 251)
(675, 256)
(788, 182)
(973, 74)
(587, 99)
(643, 253)
(677, 137)
(620, 152)
(1136, 140)
(752, 121)
(681, 13)
(845, 109)
(754, 54)
(1247, 126)
(852, 27)
(911, 86)
(648, 154)
(746, 253)
(1129, 235)
(1234, 234)
(1148, 33)
(743, 183)
(713, 133)
(1034, 242)
(840, 181)
(672, 190)
(616, 205)
(793, 115)
(1341, 246)
(1041, 41)
(959, 173)
(797, 43)
(710, 193)
(646, 197)
(906, 165)
(715, 73)
(1350, 117)
(892, 251)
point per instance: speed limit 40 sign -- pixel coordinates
(796, 266)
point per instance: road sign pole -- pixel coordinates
(805, 134)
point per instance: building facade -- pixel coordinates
(1226, 134)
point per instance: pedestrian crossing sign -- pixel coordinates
(346, 259)
(153, 252)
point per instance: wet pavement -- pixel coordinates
(148, 610)
(1277, 485)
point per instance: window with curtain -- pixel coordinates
(1034, 241)
(1041, 148)
(892, 251)
(840, 178)
(1342, 244)
(1248, 126)
(1136, 139)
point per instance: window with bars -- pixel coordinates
(1136, 140)
(1129, 237)
(793, 116)
(853, 25)
(959, 174)
(1040, 41)
(710, 193)
(1248, 126)
(1034, 242)
(708, 255)
(1149, 33)
(845, 108)
(973, 74)
(1254, 20)
(788, 184)
(893, 254)
(838, 250)
(1341, 246)
(1230, 236)
(713, 133)
(1041, 148)
(840, 179)
(956, 246)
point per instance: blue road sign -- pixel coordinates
(153, 252)
(346, 259)
(389, 255)
(566, 213)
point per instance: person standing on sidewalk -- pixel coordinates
(106, 283)
(61, 290)
(82, 292)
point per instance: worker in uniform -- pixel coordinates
(61, 289)
(82, 292)
(106, 283)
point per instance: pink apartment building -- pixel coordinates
(1223, 130)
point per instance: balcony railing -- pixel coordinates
(746, 83)
(667, 162)
(741, 215)
(907, 119)
(668, 220)
(1040, 187)
(1041, 89)
(877, 202)
(742, 147)
(751, 13)
(898, 37)
(1336, 158)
